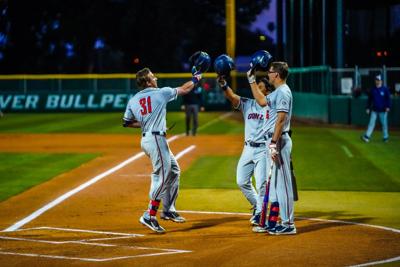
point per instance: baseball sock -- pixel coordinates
(273, 214)
(153, 207)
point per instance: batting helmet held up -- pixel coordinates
(260, 60)
(200, 60)
(223, 65)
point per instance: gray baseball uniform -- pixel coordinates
(281, 184)
(252, 161)
(149, 108)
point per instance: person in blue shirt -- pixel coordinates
(378, 106)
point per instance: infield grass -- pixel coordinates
(321, 163)
(18, 172)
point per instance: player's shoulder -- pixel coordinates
(166, 88)
(283, 90)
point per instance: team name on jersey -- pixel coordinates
(255, 116)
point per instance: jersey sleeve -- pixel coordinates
(128, 115)
(282, 102)
(169, 93)
(244, 104)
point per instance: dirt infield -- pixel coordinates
(99, 225)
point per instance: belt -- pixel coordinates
(154, 133)
(269, 135)
(254, 144)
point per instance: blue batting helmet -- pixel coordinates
(201, 60)
(223, 65)
(260, 60)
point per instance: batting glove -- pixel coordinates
(222, 82)
(273, 151)
(196, 77)
(251, 77)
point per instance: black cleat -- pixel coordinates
(152, 223)
(172, 216)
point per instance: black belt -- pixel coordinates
(155, 133)
(253, 144)
(269, 135)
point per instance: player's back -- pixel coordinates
(149, 107)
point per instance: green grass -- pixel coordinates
(223, 174)
(107, 123)
(18, 172)
(375, 208)
(320, 164)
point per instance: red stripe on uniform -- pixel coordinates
(162, 170)
(273, 218)
(275, 209)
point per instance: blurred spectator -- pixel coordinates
(192, 104)
(378, 106)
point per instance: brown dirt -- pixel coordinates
(115, 203)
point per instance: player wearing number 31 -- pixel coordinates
(147, 110)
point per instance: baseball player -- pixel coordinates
(279, 146)
(147, 110)
(252, 161)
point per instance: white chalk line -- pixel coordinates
(347, 151)
(223, 116)
(95, 179)
(165, 251)
(316, 219)
(65, 196)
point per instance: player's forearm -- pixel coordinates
(131, 124)
(135, 125)
(232, 97)
(258, 96)
(279, 126)
(185, 88)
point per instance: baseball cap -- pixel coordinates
(378, 77)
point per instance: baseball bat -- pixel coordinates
(294, 183)
(266, 198)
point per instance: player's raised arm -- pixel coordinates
(258, 95)
(200, 62)
(260, 60)
(228, 92)
(188, 86)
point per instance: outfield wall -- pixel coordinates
(336, 109)
(331, 109)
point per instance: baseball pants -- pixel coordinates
(166, 171)
(281, 188)
(252, 161)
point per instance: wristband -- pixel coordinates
(273, 142)
(224, 87)
(195, 80)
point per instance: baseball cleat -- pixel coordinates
(172, 216)
(283, 230)
(152, 223)
(255, 219)
(365, 138)
(260, 229)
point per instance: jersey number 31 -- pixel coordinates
(145, 103)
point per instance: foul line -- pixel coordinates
(215, 120)
(63, 197)
(347, 151)
(316, 219)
